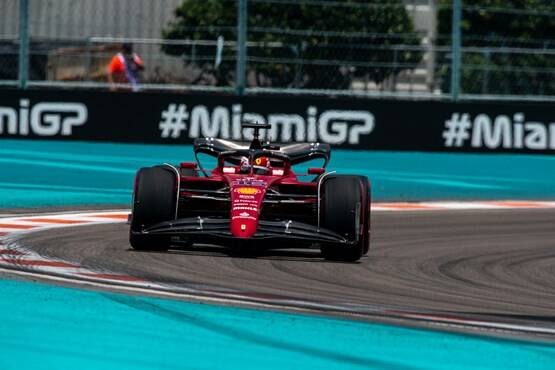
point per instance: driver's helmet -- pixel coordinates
(262, 166)
(244, 161)
(244, 166)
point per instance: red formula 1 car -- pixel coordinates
(252, 197)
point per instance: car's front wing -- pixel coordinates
(218, 228)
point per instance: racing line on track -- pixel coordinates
(15, 256)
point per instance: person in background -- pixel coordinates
(125, 67)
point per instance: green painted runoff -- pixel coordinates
(53, 173)
(46, 327)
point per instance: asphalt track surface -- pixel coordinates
(494, 264)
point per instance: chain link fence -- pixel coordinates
(71, 43)
(368, 48)
(9, 43)
(506, 50)
(392, 48)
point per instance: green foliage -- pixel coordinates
(524, 26)
(335, 43)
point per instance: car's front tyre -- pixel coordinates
(345, 209)
(154, 201)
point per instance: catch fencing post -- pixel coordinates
(23, 43)
(88, 60)
(456, 50)
(241, 47)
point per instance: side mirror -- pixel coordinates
(316, 171)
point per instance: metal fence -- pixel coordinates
(443, 49)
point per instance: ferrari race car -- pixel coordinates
(253, 199)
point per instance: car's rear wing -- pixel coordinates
(296, 152)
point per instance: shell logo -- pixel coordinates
(247, 191)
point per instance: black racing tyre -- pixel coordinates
(344, 209)
(367, 201)
(154, 201)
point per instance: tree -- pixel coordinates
(301, 44)
(511, 37)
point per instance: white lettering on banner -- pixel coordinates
(43, 119)
(47, 120)
(287, 122)
(492, 136)
(204, 125)
(331, 126)
(499, 132)
(237, 130)
(8, 120)
(339, 126)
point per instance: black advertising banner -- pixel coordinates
(368, 124)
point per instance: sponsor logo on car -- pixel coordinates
(229, 169)
(247, 191)
(247, 207)
(248, 181)
(243, 217)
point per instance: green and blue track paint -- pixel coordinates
(53, 328)
(47, 173)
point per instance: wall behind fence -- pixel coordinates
(394, 48)
(346, 123)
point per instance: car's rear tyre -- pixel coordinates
(154, 201)
(345, 209)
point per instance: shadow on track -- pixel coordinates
(290, 255)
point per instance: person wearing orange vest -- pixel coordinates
(125, 67)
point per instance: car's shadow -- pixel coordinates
(209, 250)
